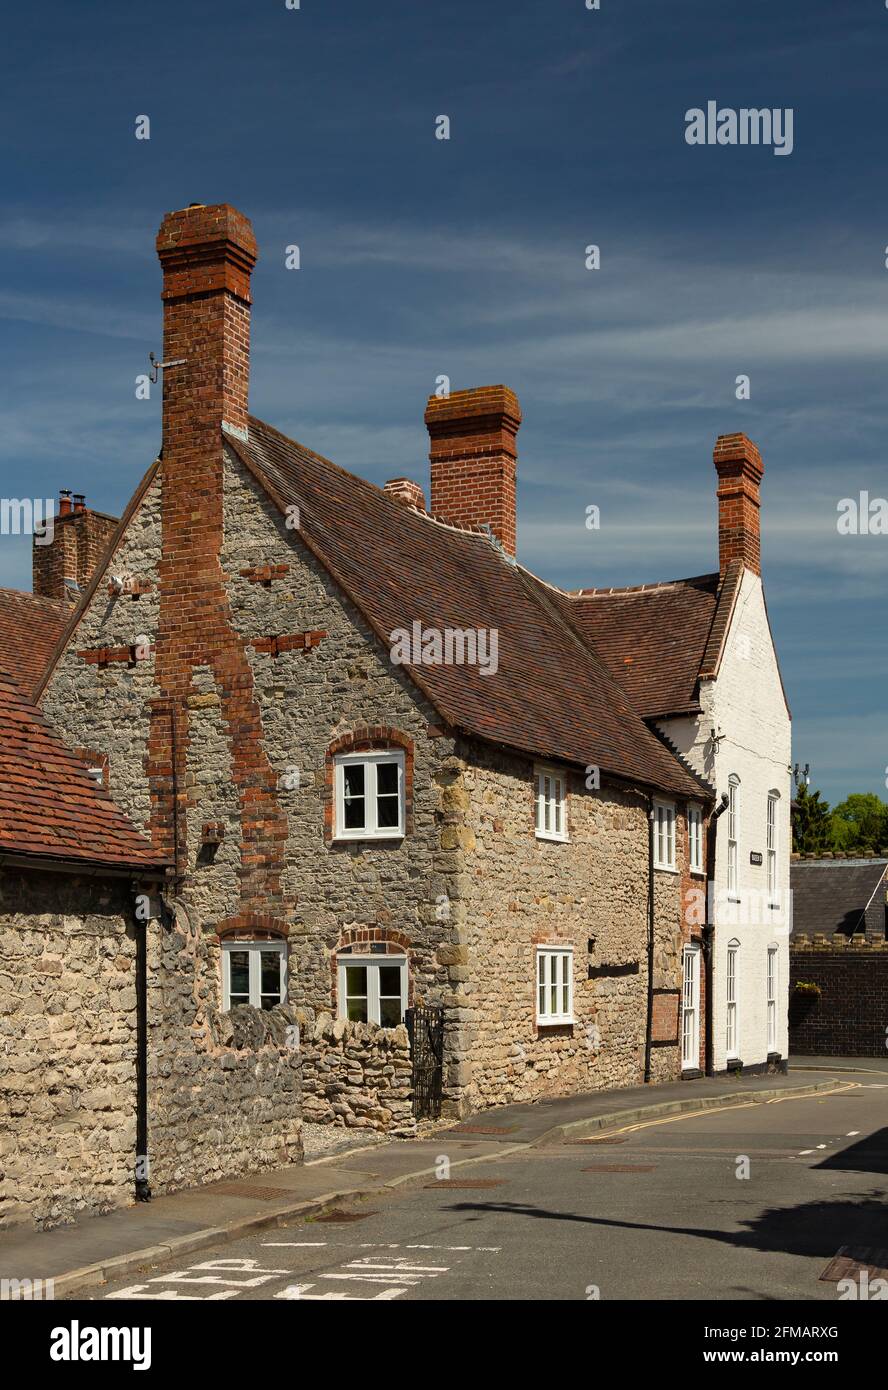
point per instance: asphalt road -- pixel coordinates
(751, 1202)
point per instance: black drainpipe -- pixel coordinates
(709, 928)
(143, 1188)
(649, 1025)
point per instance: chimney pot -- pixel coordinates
(79, 502)
(65, 501)
(473, 456)
(739, 466)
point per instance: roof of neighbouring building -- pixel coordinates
(659, 639)
(50, 807)
(831, 895)
(30, 627)
(551, 696)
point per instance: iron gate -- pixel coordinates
(425, 1026)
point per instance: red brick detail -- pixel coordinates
(79, 542)
(133, 588)
(740, 472)
(473, 456)
(264, 574)
(258, 922)
(103, 656)
(368, 738)
(291, 642)
(207, 254)
(361, 938)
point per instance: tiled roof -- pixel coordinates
(658, 639)
(551, 696)
(30, 627)
(831, 895)
(50, 807)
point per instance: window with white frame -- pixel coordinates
(731, 1016)
(733, 835)
(773, 884)
(551, 804)
(664, 835)
(695, 839)
(254, 972)
(373, 989)
(369, 795)
(772, 998)
(554, 984)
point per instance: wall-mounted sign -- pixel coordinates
(755, 857)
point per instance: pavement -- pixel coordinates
(100, 1248)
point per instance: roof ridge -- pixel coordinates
(604, 591)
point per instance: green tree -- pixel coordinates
(860, 822)
(811, 824)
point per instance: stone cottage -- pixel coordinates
(386, 765)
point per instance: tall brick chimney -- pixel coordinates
(79, 538)
(473, 457)
(207, 255)
(739, 466)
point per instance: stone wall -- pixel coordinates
(849, 1017)
(224, 1089)
(356, 1075)
(67, 1047)
(517, 892)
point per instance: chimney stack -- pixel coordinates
(473, 457)
(79, 539)
(739, 466)
(207, 255)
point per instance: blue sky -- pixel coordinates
(465, 257)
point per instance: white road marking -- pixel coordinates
(851, 1133)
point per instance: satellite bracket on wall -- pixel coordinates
(157, 366)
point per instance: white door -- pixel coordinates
(690, 1009)
(772, 998)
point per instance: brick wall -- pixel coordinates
(850, 1015)
(79, 541)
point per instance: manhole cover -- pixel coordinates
(620, 1168)
(249, 1189)
(484, 1129)
(851, 1260)
(456, 1185)
(340, 1217)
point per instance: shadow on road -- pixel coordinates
(870, 1155)
(815, 1229)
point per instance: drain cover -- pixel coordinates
(620, 1168)
(852, 1260)
(456, 1185)
(602, 1139)
(338, 1217)
(484, 1129)
(249, 1189)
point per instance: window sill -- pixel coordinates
(698, 873)
(365, 837)
(666, 868)
(558, 839)
(556, 1022)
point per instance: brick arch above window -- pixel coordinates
(369, 941)
(374, 738)
(256, 925)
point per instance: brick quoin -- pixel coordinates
(474, 459)
(207, 255)
(740, 472)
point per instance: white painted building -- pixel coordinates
(697, 659)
